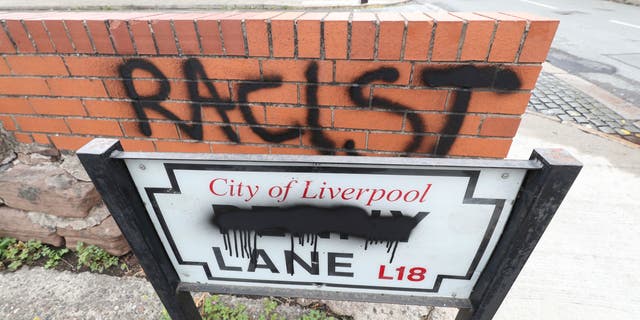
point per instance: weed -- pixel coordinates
(16, 253)
(213, 309)
(164, 315)
(269, 313)
(317, 315)
(95, 258)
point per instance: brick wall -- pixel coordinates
(446, 84)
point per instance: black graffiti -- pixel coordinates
(461, 79)
(240, 228)
(464, 78)
(304, 219)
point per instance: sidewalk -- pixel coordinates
(585, 266)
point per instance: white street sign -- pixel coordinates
(403, 230)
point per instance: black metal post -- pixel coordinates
(540, 196)
(113, 182)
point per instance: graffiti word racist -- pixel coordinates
(460, 78)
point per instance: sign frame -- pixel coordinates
(550, 174)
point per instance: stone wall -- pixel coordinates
(47, 196)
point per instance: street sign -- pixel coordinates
(331, 227)
(440, 232)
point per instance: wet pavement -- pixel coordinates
(554, 97)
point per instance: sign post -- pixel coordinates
(438, 232)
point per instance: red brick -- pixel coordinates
(171, 67)
(229, 68)
(59, 37)
(292, 150)
(296, 116)
(93, 66)
(93, 126)
(212, 133)
(4, 68)
(363, 35)
(418, 39)
(506, 42)
(234, 115)
(364, 119)
(505, 103)
(480, 147)
(282, 34)
(69, 142)
(159, 130)
(447, 38)
(335, 35)
(34, 124)
(171, 146)
(416, 99)
(15, 105)
(187, 37)
(350, 71)
(7, 123)
(23, 86)
(209, 35)
(19, 36)
(241, 149)
(115, 88)
(164, 36)
(285, 93)
(539, 38)
(74, 87)
(110, 109)
(477, 38)
(37, 65)
(296, 69)
(398, 142)
(180, 90)
(39, 36)
(257, 38)
(66, 107)
(5, 44)
(120, 36)
(500, 127)
(23, 137)
(41, 138)
(392, 26)
(100, 36)
(179, 109)
(247, 135)
(232, 37)
(132, 145)
(333, 95)
(309, 33)
(221, 89)
(437, 123)
(339, 138)
(527, 74)
(142, 36)
(79, 36)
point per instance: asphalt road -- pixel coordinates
(597, 40)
